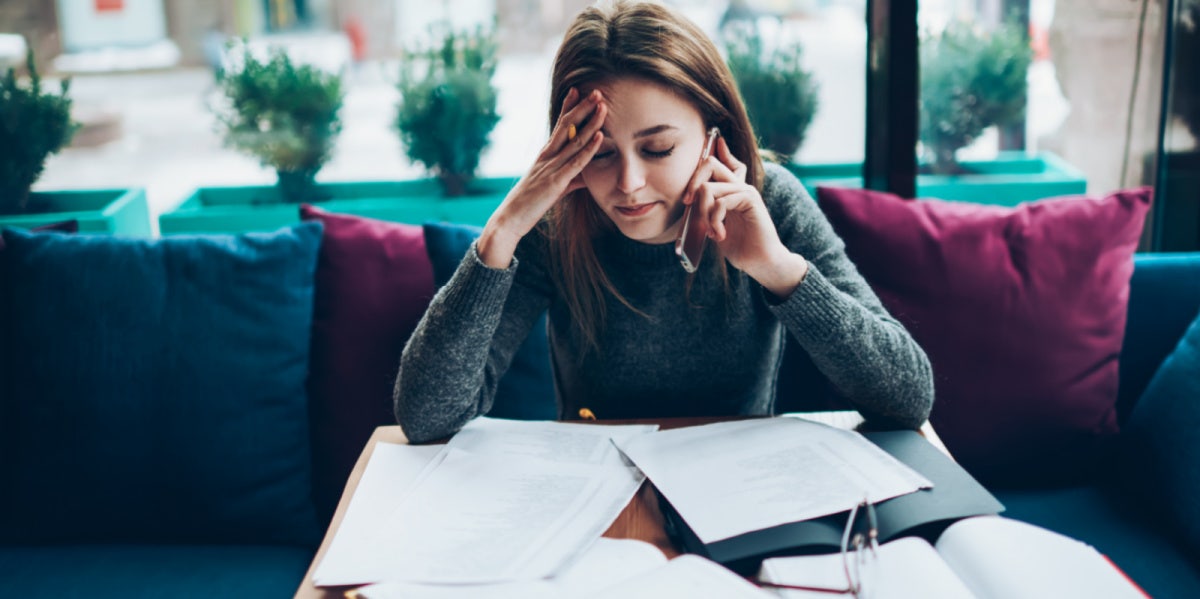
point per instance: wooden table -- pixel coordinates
(641, 519)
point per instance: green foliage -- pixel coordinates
(780, 95)
(970, 80)
(447, 106)
(33, 125)
(283, 114)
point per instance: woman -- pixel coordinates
(588, 234)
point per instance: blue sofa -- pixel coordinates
(237, 562)
(1121, 516)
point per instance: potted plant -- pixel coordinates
(284, 114)
(35, 123)
(970, 80)
(780, 95)
(235, 209)
(447, 106)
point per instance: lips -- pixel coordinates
(638, 210)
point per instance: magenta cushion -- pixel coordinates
(374, 281)
(1021, 311)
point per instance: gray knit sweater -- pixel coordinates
(706, 351)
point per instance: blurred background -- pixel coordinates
(1096, 95)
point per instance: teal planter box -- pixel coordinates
(1012, 178)
(114, 211)
(260, 208)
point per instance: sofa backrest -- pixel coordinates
(1164, 298)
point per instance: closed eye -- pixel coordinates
(659, 154)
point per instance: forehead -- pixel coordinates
(634, 104)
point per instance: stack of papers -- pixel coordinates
(502, 501)
(731, 478)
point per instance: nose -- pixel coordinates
(632, 176)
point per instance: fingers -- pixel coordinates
(581, 116)
(736, 169)
(574, 163)
(721, 207)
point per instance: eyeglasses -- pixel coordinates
(860, 545)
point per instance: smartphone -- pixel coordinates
(690, 244)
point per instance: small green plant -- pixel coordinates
(34, 124)
(447, 106)
(780, 95)
(284, 114)
(970, 80)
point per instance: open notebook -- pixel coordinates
(984, 557)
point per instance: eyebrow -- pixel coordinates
(644, 132)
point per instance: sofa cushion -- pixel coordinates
(1164, 297)
(66, 226)
(1117, 526)
(1161, 441)
(1021, 311)
(374, 282)
(526, 391)
(153, 390)
(152, 571)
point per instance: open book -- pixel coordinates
(983, 557)
(954, 495)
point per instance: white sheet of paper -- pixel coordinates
(588, 445)
(566, 442)
(685, 577)
(605, 563)
(1000, 557)
(480, 518)
(730, 478)
(508, 506)
(390, 474)
(904, 568)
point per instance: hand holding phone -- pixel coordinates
(690, 244)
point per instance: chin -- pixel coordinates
(652, 233)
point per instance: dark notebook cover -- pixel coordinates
(925, 513)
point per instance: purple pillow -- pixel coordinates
(374, 281)
(1021, 311)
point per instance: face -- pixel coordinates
(652, 143)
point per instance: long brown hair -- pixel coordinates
(652, 42)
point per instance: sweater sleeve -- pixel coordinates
(868, 356)
(464, 343)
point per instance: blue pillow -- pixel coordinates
(1163, 295)
(153, 390)
(1162, 451)
(526, 391)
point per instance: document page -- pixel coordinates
(479, 518)
(588, 446)
(605, 563)
(506, 501)
(999, 557)
(565, 442)
(390, 473)
(730, 478)
(904, 568)
(689, 576)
